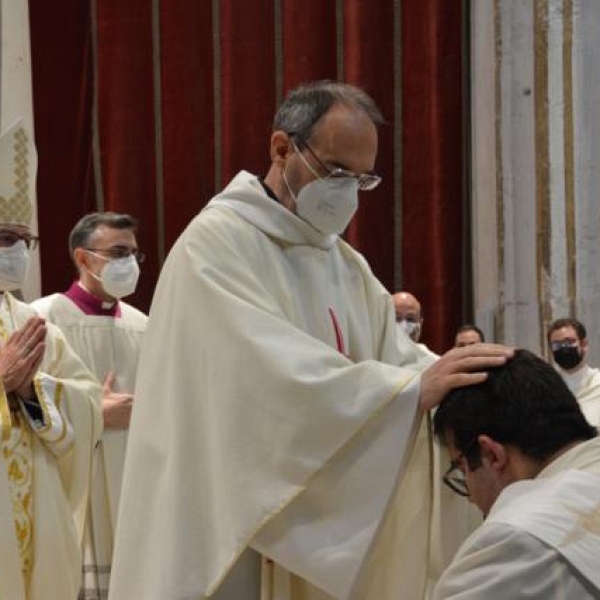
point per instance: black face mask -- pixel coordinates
(567, 357)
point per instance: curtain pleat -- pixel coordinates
(188, 113)
(247, 84)
(309, 42)
(127, 122)
(61, 56)
(369, 63)
(432, 165)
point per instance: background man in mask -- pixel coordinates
(568, 342)
(408, 314)
(50, 416)
(106, 333)
(275, 410)
(409, 318)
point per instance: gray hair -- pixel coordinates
(86, 226)
(305, 105)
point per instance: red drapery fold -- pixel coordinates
(61, 56)
(186, 95)
(432, 164)
(188, 115)
(309, 42)
(248, 86)
(369, 62)
(126, 119)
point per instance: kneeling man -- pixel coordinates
(523, 452)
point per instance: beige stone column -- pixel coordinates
(536, 172)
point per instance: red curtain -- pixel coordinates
(432, 164)
(370, 53)
(188, 115)
(185, 96)
(61, 56)
(126, 121)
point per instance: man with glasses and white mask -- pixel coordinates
(523, 452)
(107, 334)
(50, 416)
(274, 409)
(569, 345)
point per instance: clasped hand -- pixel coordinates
(21, 355)
(116, 407)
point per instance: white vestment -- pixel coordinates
(428, 355)
(432, 355)
(105, 344)
(44, 481)
(452, 519)
(541, 540)
(274, 410)
(585, 384)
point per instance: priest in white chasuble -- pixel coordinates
(106, 333)
(275, 410)
(49, 413)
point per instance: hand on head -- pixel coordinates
(458, 368)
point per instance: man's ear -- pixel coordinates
(80, 257)
(281, 148)
(493, 452)
(585, 345)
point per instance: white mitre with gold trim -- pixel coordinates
(18, 163)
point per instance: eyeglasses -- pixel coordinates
(117, 252)
(10, 238)
(454, 477)
(366, 181)
(566, 343)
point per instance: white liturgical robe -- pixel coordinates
(275, 410)
(108, 340)
(46, 470)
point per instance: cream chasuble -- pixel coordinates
(275, 410)
(105, 344)
(44, 487)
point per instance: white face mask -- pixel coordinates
(412, 329)
(118, 276)
(327, 204)
(14, 264)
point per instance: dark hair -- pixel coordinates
(470, 327)
(568, 322)
(86, 226)
(304, 106)
(524, 403)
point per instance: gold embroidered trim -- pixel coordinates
(16, 209)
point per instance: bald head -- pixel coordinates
(408, 314)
